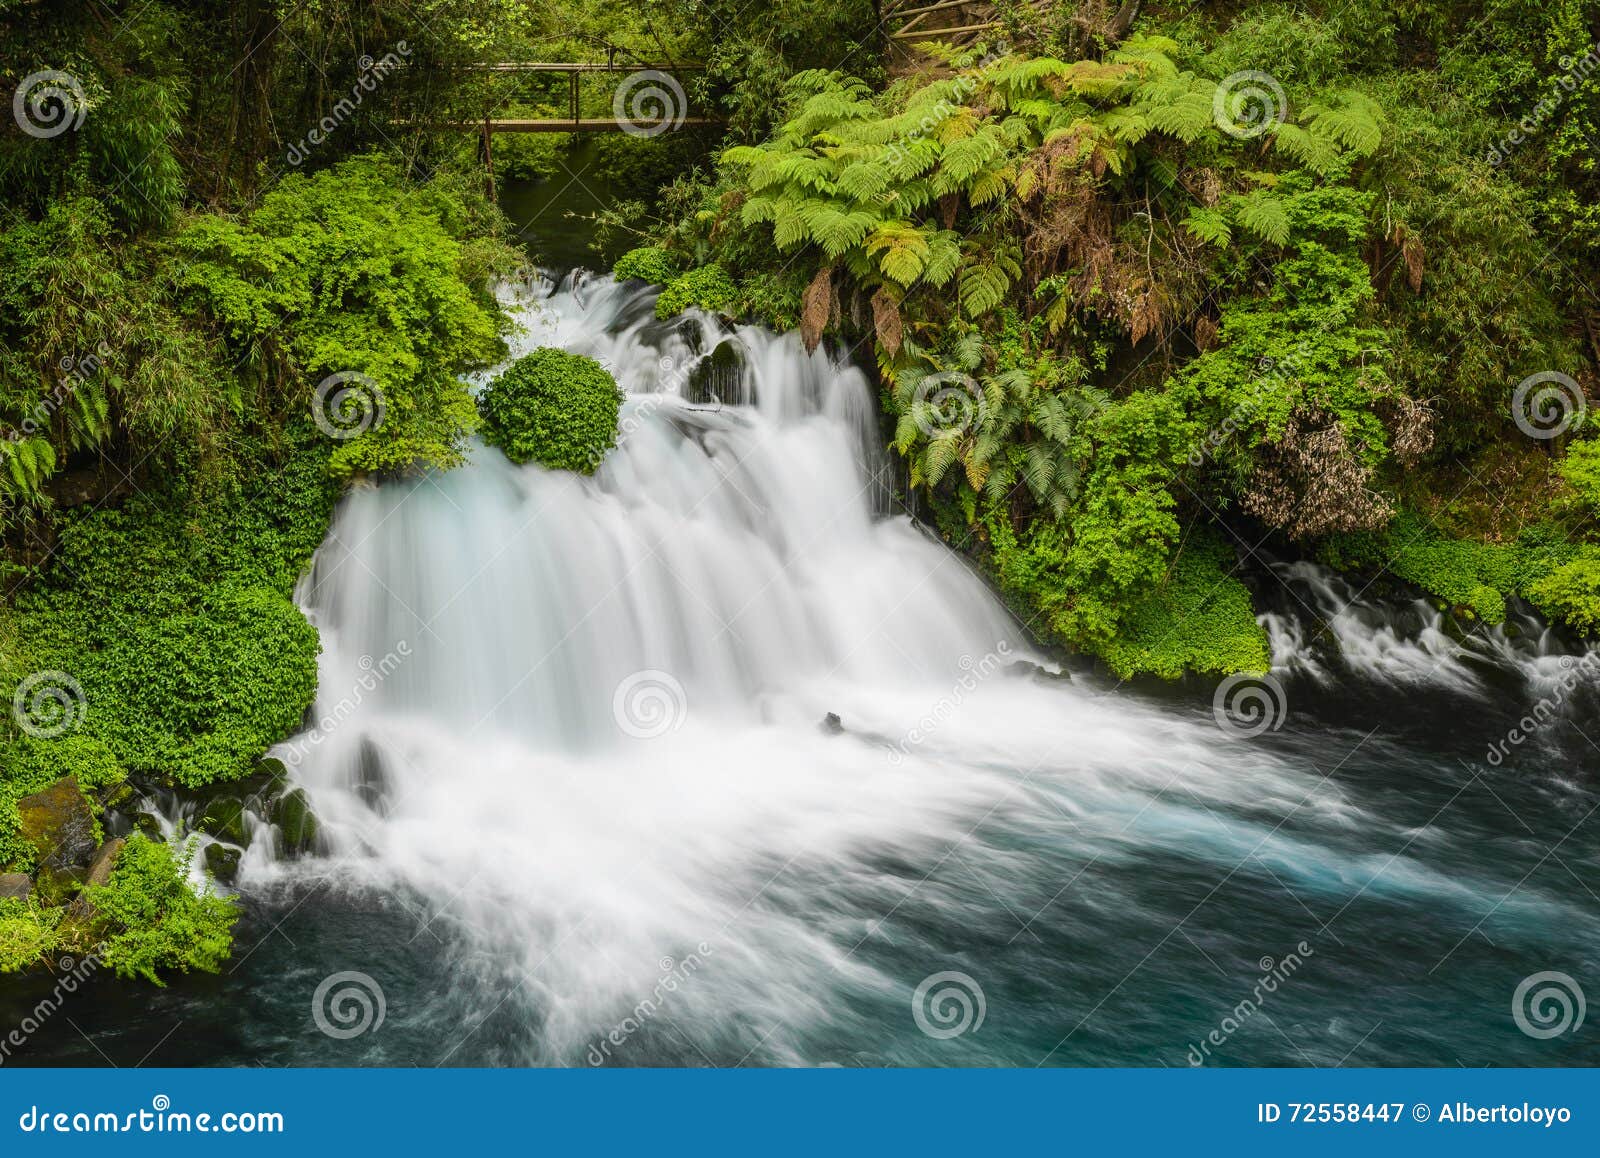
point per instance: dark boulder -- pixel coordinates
(223, 861)
(292, 814)
(720, 377)
(368, 779)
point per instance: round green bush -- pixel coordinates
(552, 407)
(649, 263)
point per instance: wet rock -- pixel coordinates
(1029, 670)
(719, 378)
(224, 819)
(58, 824)
(148, 824)
(369, 780)
(831, 724)
(104, 861)
(15, 886)
(223, 861)
(293, 816)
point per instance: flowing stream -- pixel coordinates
(582, 803)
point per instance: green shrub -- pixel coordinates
(175, 614)
(1199, 619)
(555, 408)
(351, 272)
(709, 288)
(152, 920)
(1581, 470)
(649, 263)
(27, 933)
(1571, 593)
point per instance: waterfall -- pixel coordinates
(582, 726)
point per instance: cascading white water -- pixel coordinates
(1406, 646)
(582, 719)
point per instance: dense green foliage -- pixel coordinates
(207, 320)
(151, 920)
(554, 408)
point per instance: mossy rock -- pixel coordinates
(296, 822)
(104, 861)
(59, 824)
(719, 377)
(224, 819)
(554, 408)
(223, 862)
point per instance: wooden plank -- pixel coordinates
(563, 125)
(927, 32)
(568, 66)
(939, 7)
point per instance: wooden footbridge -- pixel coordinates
(658, 91)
